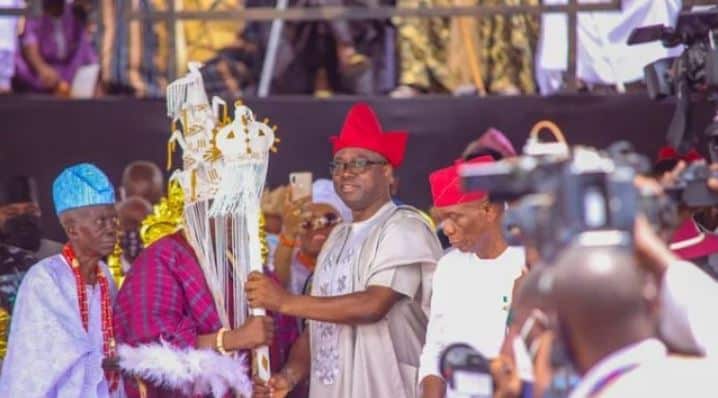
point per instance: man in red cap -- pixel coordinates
(371, 288)
(473, 282)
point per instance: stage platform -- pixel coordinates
(42, 135)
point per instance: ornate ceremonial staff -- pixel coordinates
(225, 168)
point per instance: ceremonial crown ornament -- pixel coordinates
(224, 168)
(213, 145)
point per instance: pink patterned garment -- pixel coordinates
(164, 296)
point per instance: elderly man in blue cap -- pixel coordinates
(61, 339)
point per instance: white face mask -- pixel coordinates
(537, 316)
(522, 358)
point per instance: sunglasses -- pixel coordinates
(326, 220)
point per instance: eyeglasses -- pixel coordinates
(327, 220)
(356, 166)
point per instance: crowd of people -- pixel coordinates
(363, 293)
(402, 57)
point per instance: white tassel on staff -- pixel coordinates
(225, 168)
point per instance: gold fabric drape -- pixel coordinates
(505, 47)
(200, 40)
(434, 55)
(423, 48)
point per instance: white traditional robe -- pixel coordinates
(470, 304)
(395, 248)
(49, 352)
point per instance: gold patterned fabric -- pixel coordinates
(4, 331)
(423, 48)
(504, 48)
(200, 40)
(114, 263)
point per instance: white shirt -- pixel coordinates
(688, 318)
(646, 351)
(470, 302)
(299, 274)
(602, 55)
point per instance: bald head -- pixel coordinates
(143, 179)
(603, 282)
(604, 301)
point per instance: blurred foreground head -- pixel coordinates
(604, 302)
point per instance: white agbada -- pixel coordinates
(688, 317)
(602, 55)
(50, 354)
(395, 248)
(470, 301)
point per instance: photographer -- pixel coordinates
(608, 311)
(473, 282)
(644, 310)
(565, 204)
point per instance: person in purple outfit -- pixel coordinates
(53, 47)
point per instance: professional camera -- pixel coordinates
(467, 372)
(690, 77)
(588, 197)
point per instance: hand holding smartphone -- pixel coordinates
(300, 184)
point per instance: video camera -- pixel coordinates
(467, 372)
(587, 196)
(690, 77)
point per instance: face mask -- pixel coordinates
(524, 362)
(131, 244)
(537, 318)
(23, 231)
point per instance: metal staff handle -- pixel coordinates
(271, 55)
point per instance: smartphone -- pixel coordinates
(300, 184)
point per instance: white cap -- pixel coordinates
(323, 192)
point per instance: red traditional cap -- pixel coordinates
(446, 184)
(689, 242)
(669, 153)
(692, 156)
(362, 130)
